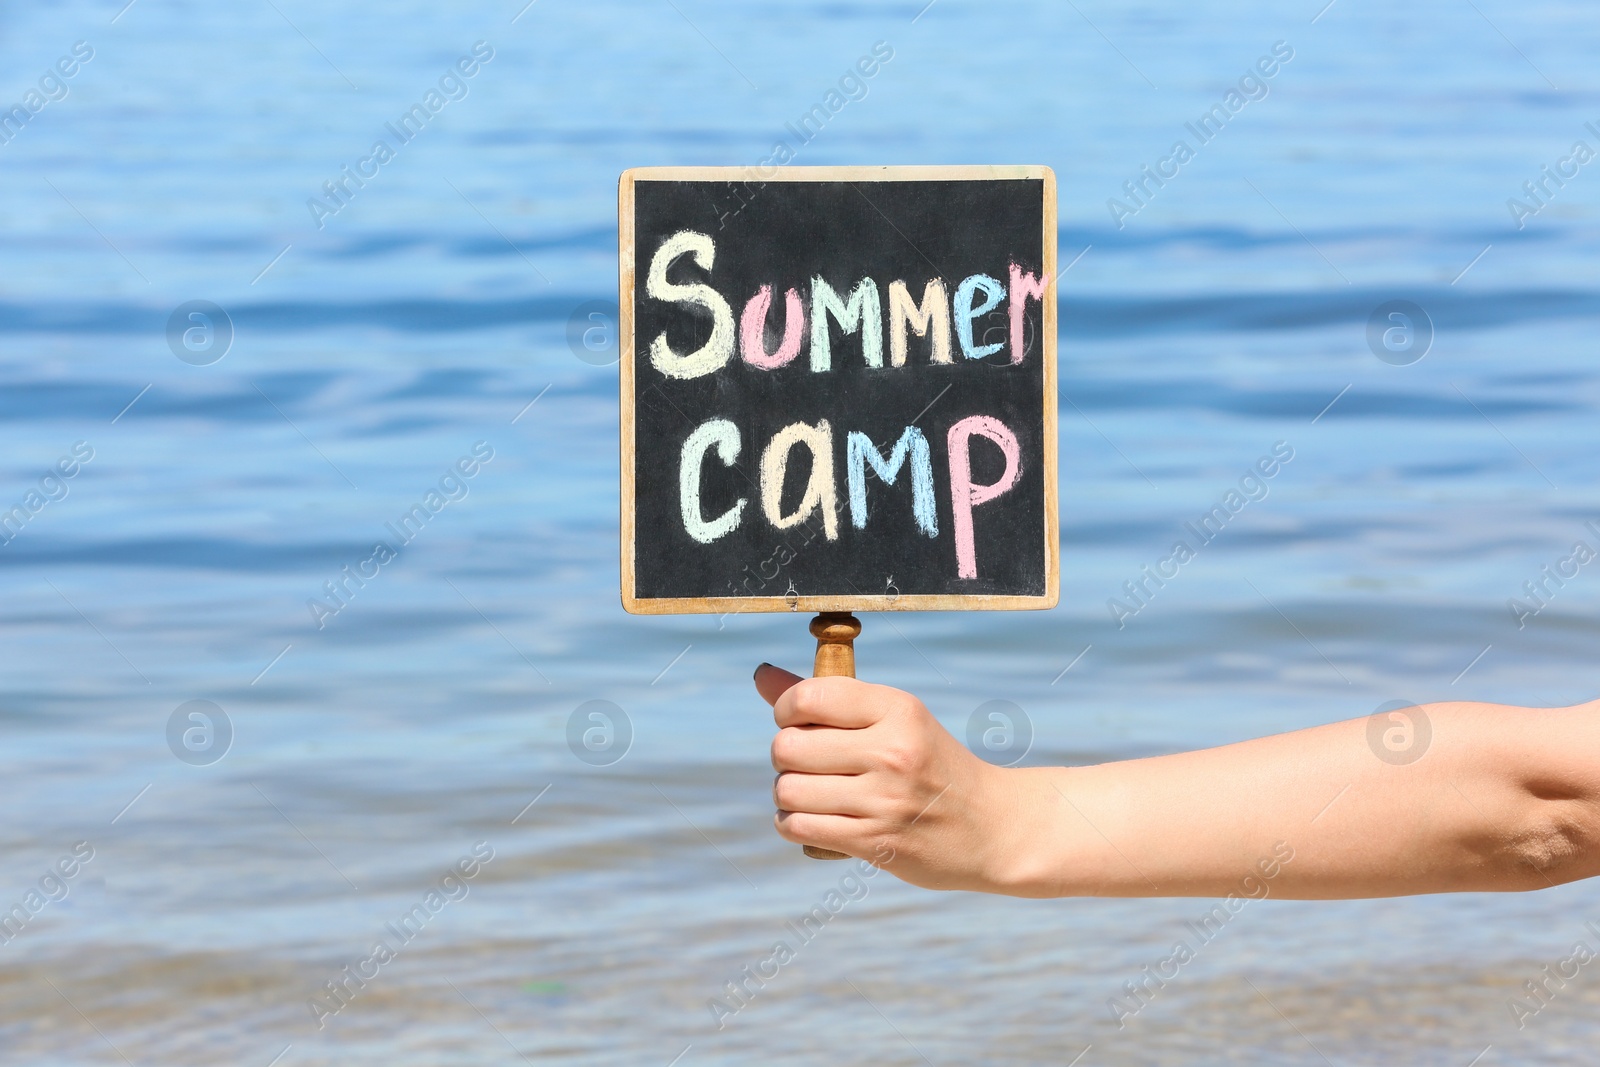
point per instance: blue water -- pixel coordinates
(369, 755)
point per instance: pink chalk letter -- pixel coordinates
(1024, 286)
(964, 496)
(753, 329)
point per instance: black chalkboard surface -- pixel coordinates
(838, 389)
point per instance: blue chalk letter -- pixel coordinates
(860, 451)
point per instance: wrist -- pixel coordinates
(1032, 851)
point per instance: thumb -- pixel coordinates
(772, 682)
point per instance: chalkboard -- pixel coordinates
(838, 389)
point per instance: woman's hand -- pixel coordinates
(866, 770)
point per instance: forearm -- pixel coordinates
(1503, 799)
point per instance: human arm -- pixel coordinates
(1505, 798)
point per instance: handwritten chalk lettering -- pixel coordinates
(1024, 287)
(966, 312)
(862, 452)
(724, 435)
(965, 494)
(933, 313)
(753, 327)
(860, 313)
(856, 311)
(847, 400)
(715, 352)
(821, 496)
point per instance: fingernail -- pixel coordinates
(757, 673)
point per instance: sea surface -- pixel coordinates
(366, 753)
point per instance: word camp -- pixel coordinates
(944, 322)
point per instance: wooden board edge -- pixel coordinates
(856, 173)
(625, 412)
(1052, 447)
(809, 604)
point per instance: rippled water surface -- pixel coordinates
(428, 715)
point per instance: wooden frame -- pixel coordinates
(919, 602)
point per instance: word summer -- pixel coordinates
(860, 311)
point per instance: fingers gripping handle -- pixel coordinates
(836, 658)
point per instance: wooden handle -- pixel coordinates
(836, 658)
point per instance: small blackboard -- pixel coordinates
(838, 389)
